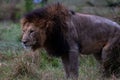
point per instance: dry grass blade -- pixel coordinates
(22, 67)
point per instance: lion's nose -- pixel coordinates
(24, 41)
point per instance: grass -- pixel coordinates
(17, 64)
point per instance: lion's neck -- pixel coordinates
(55, 44)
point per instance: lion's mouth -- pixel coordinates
(28, 46)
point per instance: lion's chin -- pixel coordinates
(31, 47)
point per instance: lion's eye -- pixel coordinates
(31, 31)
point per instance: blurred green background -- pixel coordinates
(13, 9)
(18, 64)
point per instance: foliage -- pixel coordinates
(10, 32)
(28, 5)
(10, 37)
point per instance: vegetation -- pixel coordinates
(28, 5)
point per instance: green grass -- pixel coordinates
(15, 64)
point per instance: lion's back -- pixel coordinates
(94, 31)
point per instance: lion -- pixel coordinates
(67, 34)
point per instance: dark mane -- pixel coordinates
(56, 44)
(54, 12)
(36, 14)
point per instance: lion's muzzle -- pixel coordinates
(28, 43)
(25, 44)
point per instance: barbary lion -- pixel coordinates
(65, 34)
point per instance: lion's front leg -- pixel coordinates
(65, 61)
(70, 62)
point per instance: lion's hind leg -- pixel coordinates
(116, 67)
(110, 59)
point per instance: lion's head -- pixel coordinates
(40, 23)
(33, 36)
